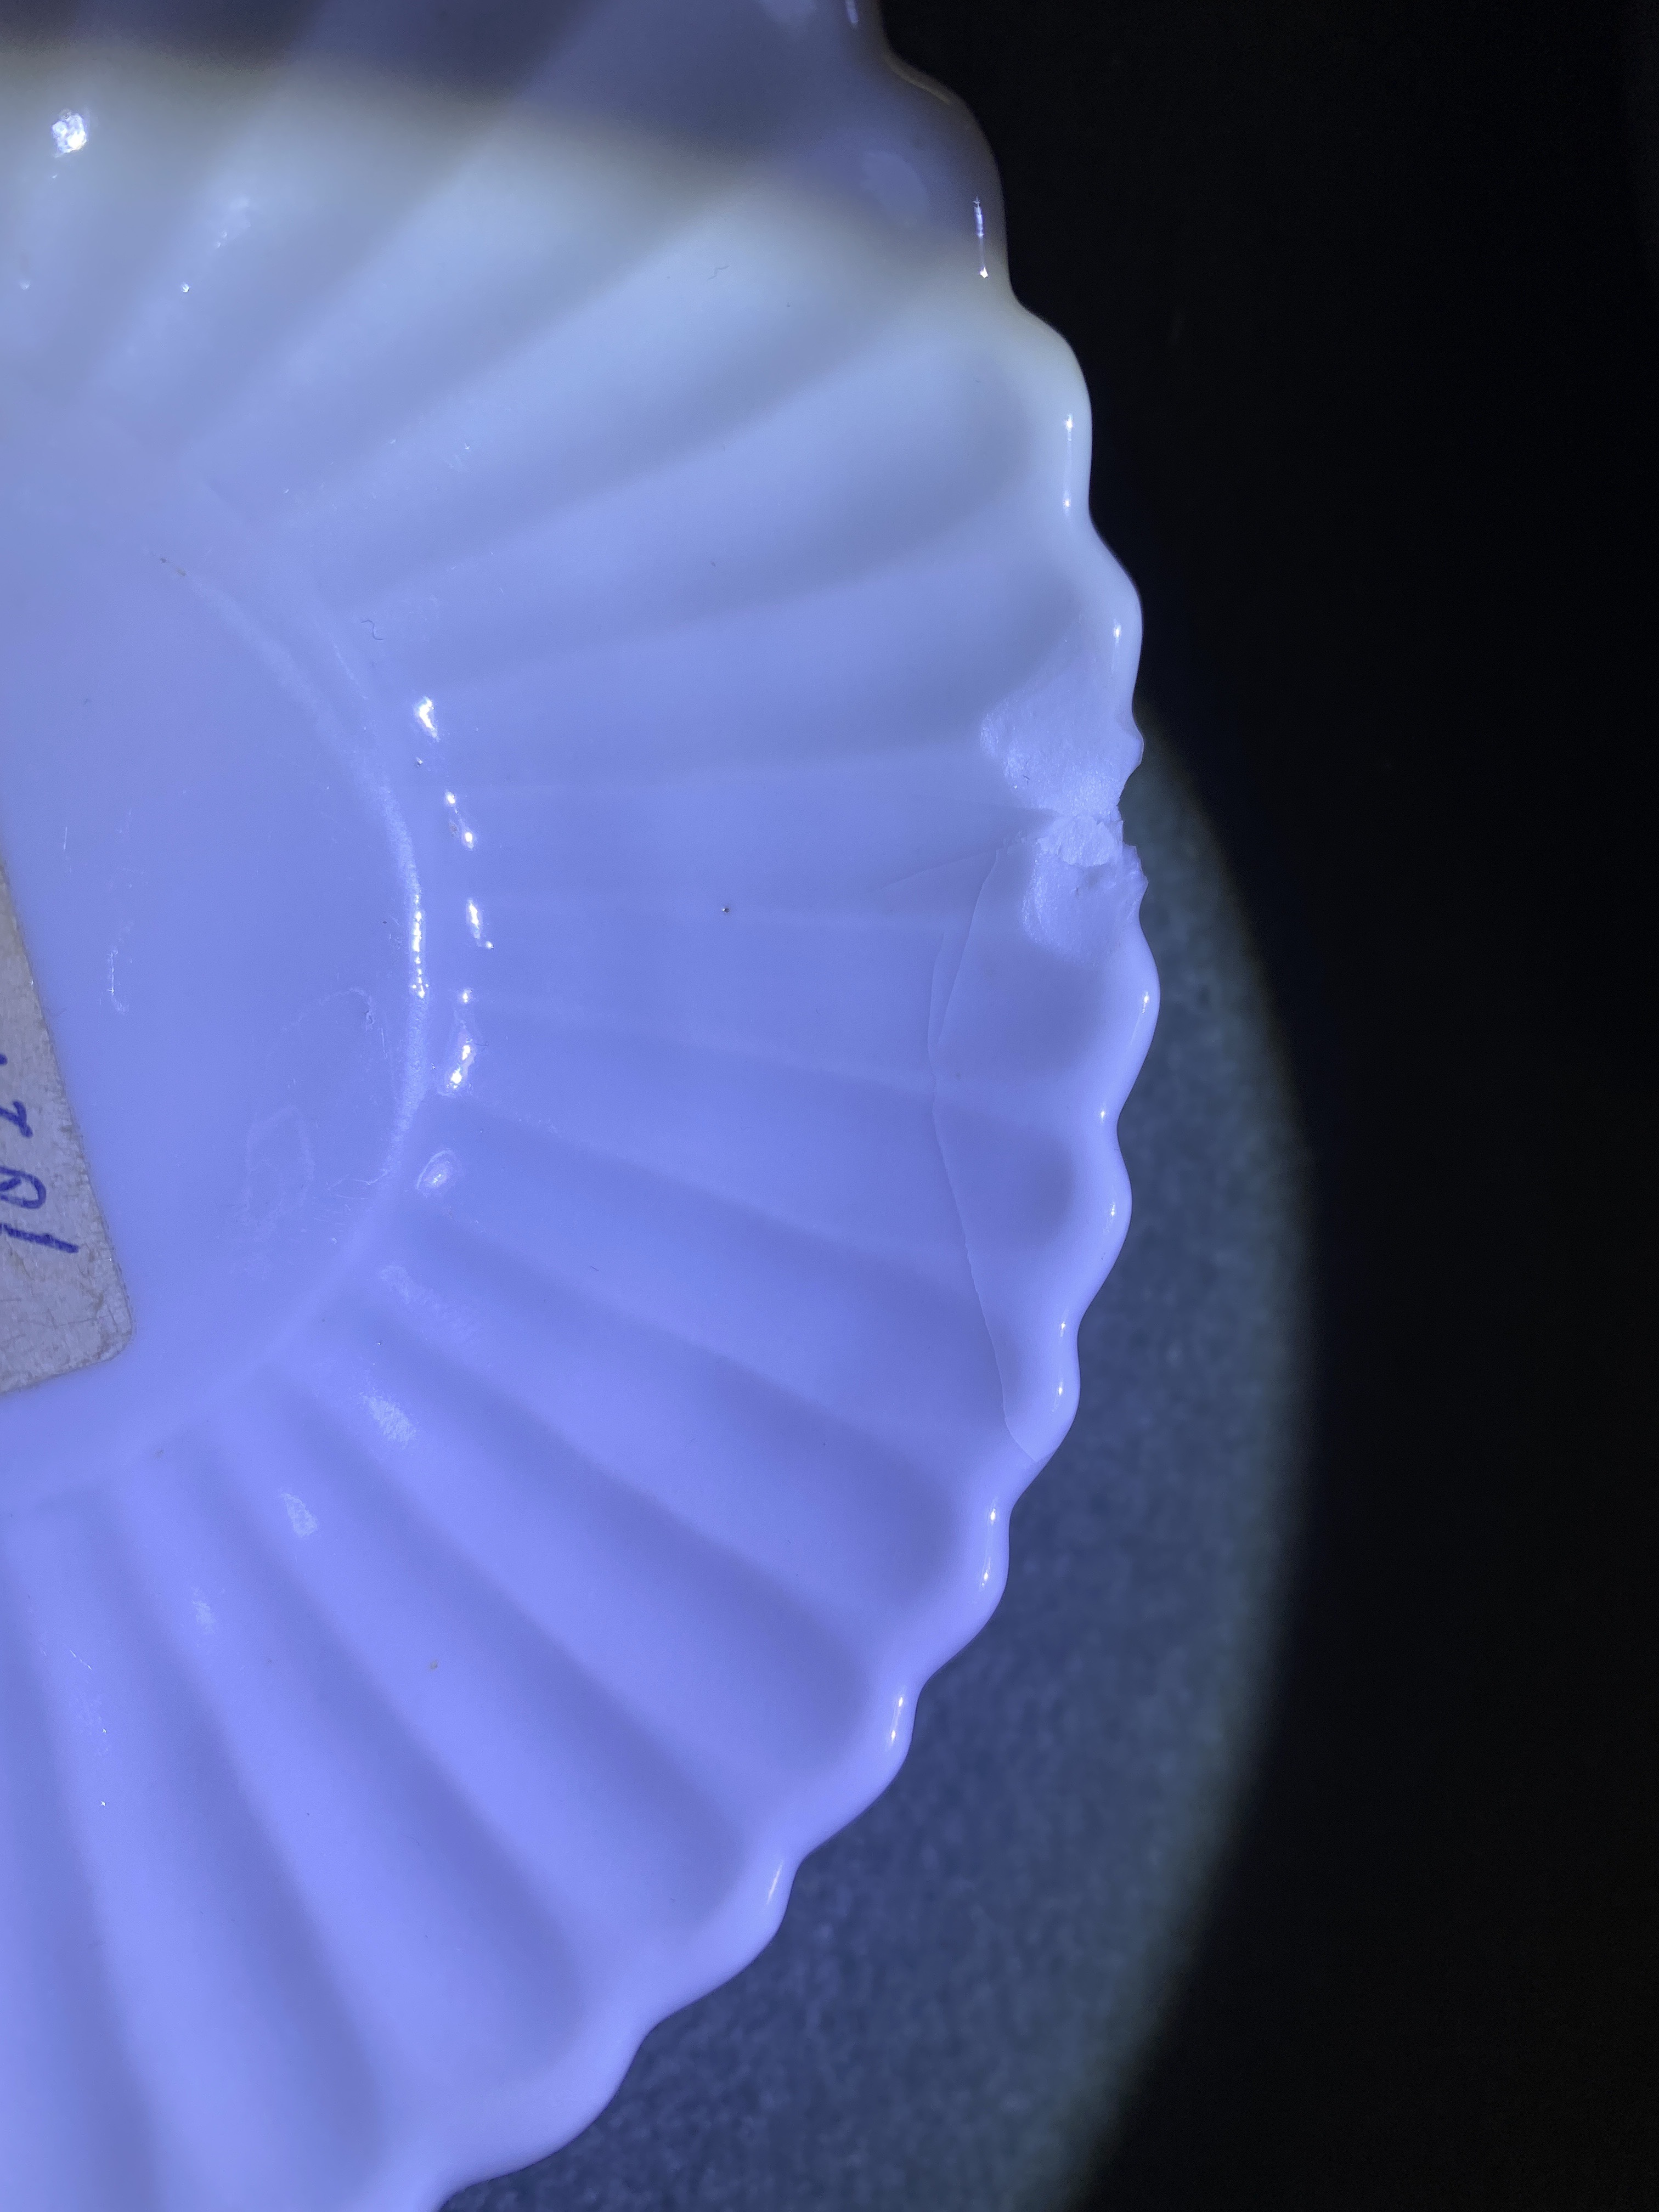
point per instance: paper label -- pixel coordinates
(62, 1303)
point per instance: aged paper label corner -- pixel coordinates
(62, 1301)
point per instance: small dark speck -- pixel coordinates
(726, 909)
(430, 1664)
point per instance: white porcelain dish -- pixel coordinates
(561, 721)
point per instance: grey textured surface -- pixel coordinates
(965, 1977)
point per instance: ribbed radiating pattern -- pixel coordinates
(390, 1741)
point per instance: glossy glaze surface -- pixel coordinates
(560, 720)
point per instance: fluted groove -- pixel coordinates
(227, 2013)
(989, 593)
(810, 1312)
(60, 2018)
(843, 1520)
(410, 1897)
(592, 412)
(618, 1562)
(563, 1776)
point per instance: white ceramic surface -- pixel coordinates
(560, 720)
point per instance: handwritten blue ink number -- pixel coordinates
(12, 1183)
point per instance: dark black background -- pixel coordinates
(1361, 299)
